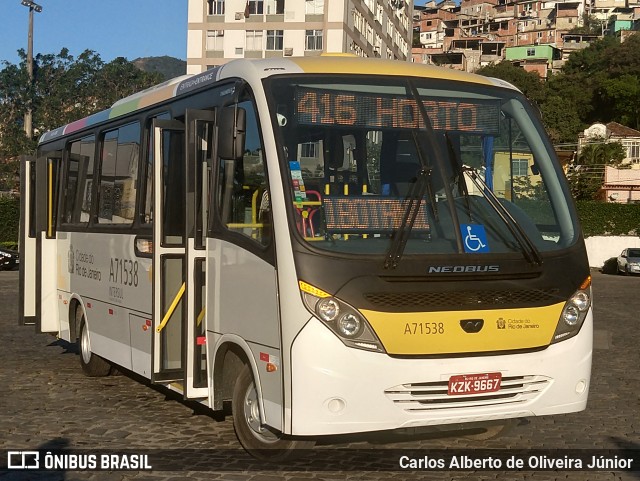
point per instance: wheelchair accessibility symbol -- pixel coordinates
(474, 238)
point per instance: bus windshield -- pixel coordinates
(392, 166)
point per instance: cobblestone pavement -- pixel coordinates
(47, 404)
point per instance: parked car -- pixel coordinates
(9, 259)
(629, 261)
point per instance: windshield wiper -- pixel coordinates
(529, 250)
(423, 182)
(414, 201)
(457, 167)
(527, 247)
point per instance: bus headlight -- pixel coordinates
(581, 301)
(574, 313)
(343, 320)
(349, 325)
(571, 315)
(328, 309)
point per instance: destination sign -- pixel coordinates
(332, 107)
(369, 214)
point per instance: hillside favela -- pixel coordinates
(537, 35)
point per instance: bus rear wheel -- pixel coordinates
(255, 438)
(92, 364)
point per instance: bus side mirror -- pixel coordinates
(144, 246)
(232, 124)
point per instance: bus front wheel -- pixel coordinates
(256, 438)
(92, 365)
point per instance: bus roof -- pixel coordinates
(338, 64)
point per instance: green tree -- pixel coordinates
(591, 25)
(623, 95)
(600, 152)
(561, 118)
(591, 60)
(9, 219)
(9, 175)
(624, 57)
(529, 83)
(567, 106)
(607, 73)
(557, 100)
(64, 89)
(121, 78)
(586, 178)
(14, 98)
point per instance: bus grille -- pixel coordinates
(463, 299)
(431, 396)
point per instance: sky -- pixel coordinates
(111, 28)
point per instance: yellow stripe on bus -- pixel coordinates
(416, 333)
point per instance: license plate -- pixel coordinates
(474, 383)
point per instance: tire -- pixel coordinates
(92, 364)
(257, 440)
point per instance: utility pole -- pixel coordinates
(28, 120)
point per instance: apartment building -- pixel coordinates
(606, 10)
(223, 30)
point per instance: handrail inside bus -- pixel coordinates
(172, 308)
(201, 316)
(254, 224)
(237, 225)
(254, 207)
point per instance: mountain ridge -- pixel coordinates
(168, 67)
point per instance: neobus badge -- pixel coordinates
(462, 269)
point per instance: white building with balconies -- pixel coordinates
(223, 30)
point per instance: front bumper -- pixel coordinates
(340, 390)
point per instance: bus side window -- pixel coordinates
(147, 187)
(78, 182)
(242, 184)
(173, 188)
(118, 175)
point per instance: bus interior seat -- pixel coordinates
(340, 154)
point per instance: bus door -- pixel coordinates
(169, 248)
(46, 213)
(201, 138)
(181, 171)
(27, 244)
